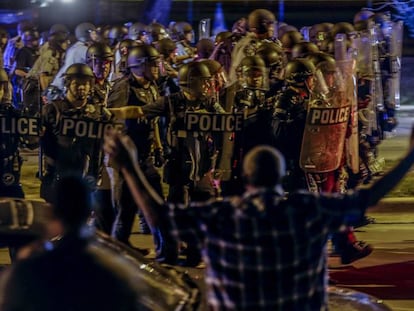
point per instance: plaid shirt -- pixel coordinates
(264, 251)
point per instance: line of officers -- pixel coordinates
(318, 98)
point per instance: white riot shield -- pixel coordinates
(367, 91)
(204, 29)
(326, 123)
(379, 93)
(395, 63)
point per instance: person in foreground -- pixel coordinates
(262, 250)
(66, 274)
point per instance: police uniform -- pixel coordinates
(128, 91)
(68, 153)
(11, 161)
(189, 166)
(288, 126)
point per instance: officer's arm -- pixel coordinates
(123, 152)
(388, 181)
(127, 112)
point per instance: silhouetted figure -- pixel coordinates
(67, 274)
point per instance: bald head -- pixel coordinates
(263, 166)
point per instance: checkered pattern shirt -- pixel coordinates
(264, 251)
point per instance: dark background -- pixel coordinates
(104, 12)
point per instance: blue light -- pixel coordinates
(159, 11)
(219, 20)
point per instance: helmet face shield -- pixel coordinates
(201, 88)
(256, 78)
(101, 68)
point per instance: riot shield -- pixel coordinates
(305, 32)
(379, 97)
(367, 89)
(204, 28)
(346, 61)
(395, 63)
(326, 121)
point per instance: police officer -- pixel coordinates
(275, 60)
(85, 35)
(46, 66)
(137, 32)
(167, 82)
(157, 32)
(99, 57)
(138, 88)
(289, 118)
(183, 35)
(121, 56)
(193, 153)
(10, 158)
(24, 61)
(262, 29)
(65, 146)
(250, 100)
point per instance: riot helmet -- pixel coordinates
(195, 79)
(342, 27)
(303, 49)
(253, 73)
(124, 47)
(363, 15)
(59, 31)
(99, 57)
(298, 71)
(289, 39)
(166, 46)
(143, 61)
(284, 28)
(383, 20)
(181, 30)
(116, 34)
(361, 25)
(78, 80)
(85, 32)
(274, 58)
(205, 48)
(327, 75)
(99, 50)
(219, 76)
(319, 57)
(222, 36)
(138, 31)
(240, 26)
(31, 38)
(58, 36)
(320, 34)
(157, 32)
(24, 26)
(261, 21)
(78, 70)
